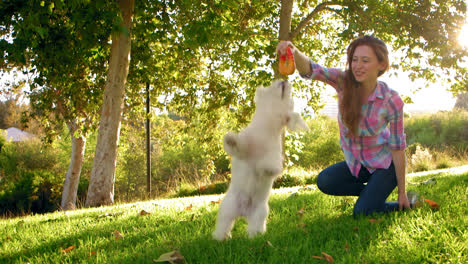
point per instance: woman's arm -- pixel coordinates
(311, 70)
(399, 160)
(301, 60)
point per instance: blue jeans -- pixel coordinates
(338, 180)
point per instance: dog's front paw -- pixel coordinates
(231, 145)
(296, 123)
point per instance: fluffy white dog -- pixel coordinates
(257, 159)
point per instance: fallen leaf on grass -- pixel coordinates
(373, 220)
(143, 212)
(216, 202)
(68, 249)
(433, 204)
(118, 235)
(171, 257)
(110, 214)
(326, 257)
(300, 213)
(268, 243)
(301, 225)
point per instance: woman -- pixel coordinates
(371, 128)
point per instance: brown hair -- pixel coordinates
(350, 105)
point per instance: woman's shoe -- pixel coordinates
(415, 199)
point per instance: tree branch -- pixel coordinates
(320, 7)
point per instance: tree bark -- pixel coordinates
(101, 185)
(285, 19)
(70, 187)
(284, 34)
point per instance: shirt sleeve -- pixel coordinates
(331, 76)
(397, 138)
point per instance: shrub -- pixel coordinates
(33, 192)
(213, 188)
(439, 130)
(320, 145)
(2, 139)
(288, 180)
(421, 160)
(28, 178)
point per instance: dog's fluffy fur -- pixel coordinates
(257, 159)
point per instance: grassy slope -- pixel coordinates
(327, 225)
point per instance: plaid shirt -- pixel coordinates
(380, 128)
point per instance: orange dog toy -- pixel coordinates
(286, 63)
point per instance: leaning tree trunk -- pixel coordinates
(70, 187)
(284, 34)
(101, 185)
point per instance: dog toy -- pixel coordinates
(286, 63)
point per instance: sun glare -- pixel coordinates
(463, 36)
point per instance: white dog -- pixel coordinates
(257, 159)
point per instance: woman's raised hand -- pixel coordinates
(282, 47)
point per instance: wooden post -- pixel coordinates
(148, 142)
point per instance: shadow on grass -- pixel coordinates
(299, 228)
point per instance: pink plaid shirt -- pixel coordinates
(380, 128)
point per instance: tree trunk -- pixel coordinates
(284, 34)
(285, 19)
(101, 185)
(70, 187)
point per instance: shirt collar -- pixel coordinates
(378, 92)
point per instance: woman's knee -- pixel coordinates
(323, 182)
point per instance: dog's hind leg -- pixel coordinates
(228, 212)
(257, 219)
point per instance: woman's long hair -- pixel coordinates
(350, 104)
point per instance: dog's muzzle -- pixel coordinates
(283, 87)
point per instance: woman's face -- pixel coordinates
(365, 66)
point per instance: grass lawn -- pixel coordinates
(300, 228)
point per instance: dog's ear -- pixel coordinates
(296, 123)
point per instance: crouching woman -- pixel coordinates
(371, 128)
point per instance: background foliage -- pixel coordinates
(185, 163)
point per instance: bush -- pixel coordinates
(320, 145)
(28, 178)
(439, 130)
(33, 192)
(2, 139)
(421, 160)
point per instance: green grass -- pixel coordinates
(419, 236)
